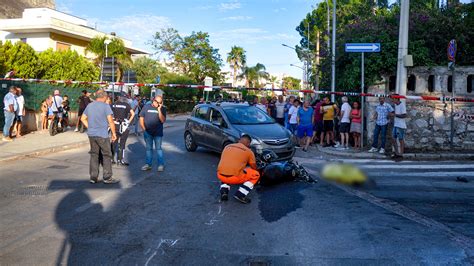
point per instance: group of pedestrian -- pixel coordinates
(14, 111)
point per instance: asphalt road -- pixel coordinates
(50, 214)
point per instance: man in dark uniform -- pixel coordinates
(123, 115)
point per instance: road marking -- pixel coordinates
(170, 242)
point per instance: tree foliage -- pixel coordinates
(237, 60)
(291, 83)
(191, 55)
(21, 58)
(147, 69)
(66, 65)
(430, 29)
(254, 74)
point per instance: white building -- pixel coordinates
(45, 28)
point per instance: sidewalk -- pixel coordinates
(353, 153)
(38, 143)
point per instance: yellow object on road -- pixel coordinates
(343, 173)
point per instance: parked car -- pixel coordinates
(214, 126)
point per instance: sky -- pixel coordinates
(259, 26)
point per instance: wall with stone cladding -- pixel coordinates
(429, 122)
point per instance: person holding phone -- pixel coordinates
(152, 119)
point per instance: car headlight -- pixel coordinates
(257, 145)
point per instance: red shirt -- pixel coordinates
(317, 112)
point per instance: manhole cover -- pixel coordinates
(58, 167)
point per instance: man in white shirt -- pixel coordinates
(399, 128)
(280, 110)
(9, 109)
(20, 112)
(56, 105)
(293, 116)
(345, 125)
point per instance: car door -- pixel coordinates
(197, 127)
(215, 130)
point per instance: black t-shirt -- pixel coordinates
(121, 111)
(153, 125)
(83, 102)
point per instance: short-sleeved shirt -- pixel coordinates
(346, 108)
(234, 159)
(84, 101)
(153, 125)
(354, 113)
(400, 109)
(280, 109)
(121, 111)
(317, 112)
(294, 114)
(97, 113)
(330, 109)
(382, 113)
(305, 116)
(56, 102)
(9, 99)
(21, 105)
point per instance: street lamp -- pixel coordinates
(107, 42)
(297, 67)
(307, 55)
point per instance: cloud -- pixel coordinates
(237, 18)
(251, 35)
(230, 6)
(138, 28)
(281, 9)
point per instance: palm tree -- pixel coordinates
(237, 59)
(252, 75)
(116, 49)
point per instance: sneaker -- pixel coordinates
(93, 181)
(347, 148)
(76, 130)
(224, 194)
(7, 139)
(336, 145)
(146, 167)
(382, 151)
(373, 149)
(161, 168)
(122, 163)
(111, 181)
(244, 200)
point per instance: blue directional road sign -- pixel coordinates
(362, 47)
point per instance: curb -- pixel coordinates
(38, 153)
(415, 156)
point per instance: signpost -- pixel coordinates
(208, 86)
(362, 48)
(452, 49)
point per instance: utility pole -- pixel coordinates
(401, 85)
(316, 80)
(333, 58)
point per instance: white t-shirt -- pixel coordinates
(280, 109)
(261, 107)
(58, 103)
(400, 109)
(294, 114)
(21, 104)
(346, 108)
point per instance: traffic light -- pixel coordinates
(109, 69)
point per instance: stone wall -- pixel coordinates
(429, 122)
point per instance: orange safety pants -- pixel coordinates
(248, 175)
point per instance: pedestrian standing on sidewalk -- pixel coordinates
(381, 117)
(293, 116)
(305, 124)
(152, 119)
(345, 124)
(123, 115)
(83, 101)
(318, 123)
(66, 109)
(10, 106)
(57, 107)
(288, 105)
(20, 112)
(280, 110)
(97, 118)
(356, 124)
(399, 128)
(329, 111)
(238, 167)
(44, 114)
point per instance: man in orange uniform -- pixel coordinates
(233, 169)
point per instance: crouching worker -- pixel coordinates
(238, 167)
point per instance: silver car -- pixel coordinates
(214, 126)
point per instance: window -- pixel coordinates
(470, 83)
(411, 85)
(201, 112)
(450, 83)
(62, 46)
(392, 83)
(431, 83)
(216, 117)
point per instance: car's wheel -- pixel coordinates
(189, 142)
(53, 128)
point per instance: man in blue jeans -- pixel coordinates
(10, 107)
(305, 124)
(381, 117)
(152, 118)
